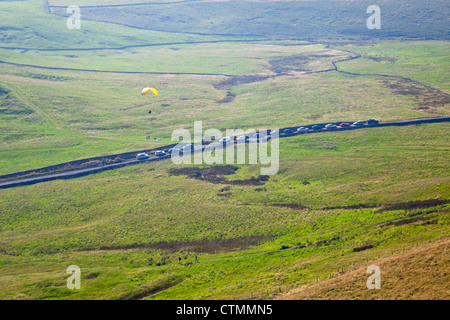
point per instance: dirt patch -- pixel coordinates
(381, 59)
(215, 174)
(437, 100)
(394, 206)
(238, 80)
(404, 88)
(428, 98)
(173, 281)
(260, 180)
(200, 246)
(292, 63)
(229, 98)
(313, 116)
(294, 206)
(404, 221)
(356, 206)
(3, 91)
(363, 247)
(413, 205)
(325, 242)
(133, 107)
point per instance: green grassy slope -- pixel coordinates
(98, 224)
(293, 19)
(423, 61)
(83, 114)
(378, 190)
(25, 24)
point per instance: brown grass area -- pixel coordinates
(381, 59)
(427, 98)
(215, 174)
(203, 245)
(419, 274)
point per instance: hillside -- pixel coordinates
(157, 230)
(306, 20)
(418, 274)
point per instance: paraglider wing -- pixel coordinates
(147, 89)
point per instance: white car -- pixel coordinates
(160, 153)
(225, 140)
(302, 130)
(330, 126)
(173, 151)
(142, 156)
(187, 148)
(358, 123)
(274, 131)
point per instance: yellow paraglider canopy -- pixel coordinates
(147, 89)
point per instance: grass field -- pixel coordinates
(422, 61)
(306, 20)
(339, 201)
(91, 228)
(25, 24)
(83, 114)
(216, 58)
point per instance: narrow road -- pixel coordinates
(87, 171)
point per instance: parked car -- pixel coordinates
(330, 126)
(316, 127)
(173, 150)
(225, 140)
(287, 131)
(160, 153)
(358, 123)
(187, 148)
(275, 131)
(371, 122)
(345, 124)
(142, 156)
(302, 129)
(242, 139)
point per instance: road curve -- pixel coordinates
(86, 171)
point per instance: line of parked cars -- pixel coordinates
(332, 126)
(245, 138)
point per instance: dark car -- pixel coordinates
(372, 122)
(345, 124)
(288, 131)
(316, 127)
